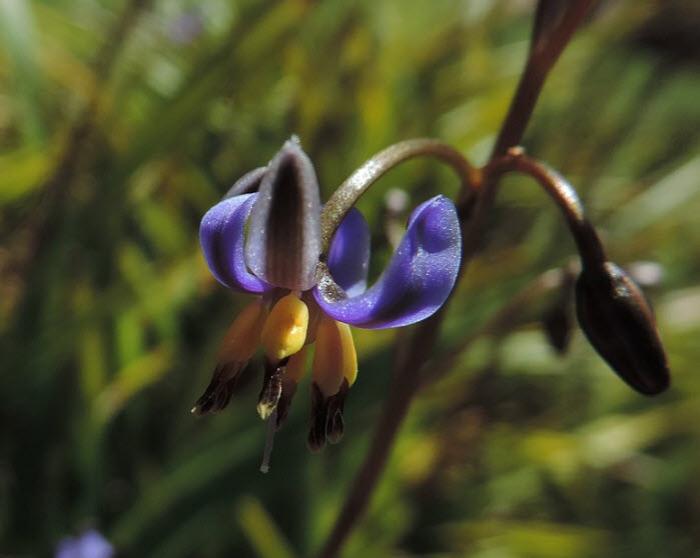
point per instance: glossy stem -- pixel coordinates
(561, 191)
(347, 194)
(414, 349)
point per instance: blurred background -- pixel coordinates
(122, 122)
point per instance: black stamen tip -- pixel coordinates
(272, 388)
(319, 411)
(335, 424)
(218, 392)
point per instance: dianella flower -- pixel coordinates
(91, 544)
(266, 238)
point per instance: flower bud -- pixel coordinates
(618, 321)
(557, 321)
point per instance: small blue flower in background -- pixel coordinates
(265, 238)
(91, 544)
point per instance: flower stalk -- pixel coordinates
(414, 349)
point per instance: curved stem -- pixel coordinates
(564, 195)
(414, 349)
(372, 170)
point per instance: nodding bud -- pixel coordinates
(619, 323)
(557, 327)
(557, 320)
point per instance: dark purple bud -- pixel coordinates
(557, 326)
(557, 320)
(618, 322)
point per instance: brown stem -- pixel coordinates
(415, 348)
(347, 194)
(563, 194)
(540, 60)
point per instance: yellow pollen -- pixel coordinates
(285, 328)
(335, 358)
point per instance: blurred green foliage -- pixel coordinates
(121, 122)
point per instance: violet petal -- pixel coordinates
(246, 184)
(285, 241)
(417, 281)
(222, 236)
(348, 258)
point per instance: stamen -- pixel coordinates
(269, 442)
(335, 425)
(220, 388)
(319, 413)
(271, 389)
(284, 332)
(236, 350)
(293, 372)
(243, 337)
(289, 388)
(335, 358)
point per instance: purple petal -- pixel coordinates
(348, 260)
(285, 241)
(418, 279)
(222, 236)
(89, 545)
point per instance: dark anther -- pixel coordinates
(272, 388)
(289, 388)
(319, 412)
(218, 392)
(335, 425)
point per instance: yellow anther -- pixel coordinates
(335, 358)
(243, 335)
(284, 331)
(296, 367)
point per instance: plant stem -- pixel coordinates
(564, 195)
(377, 166)
(414, 349)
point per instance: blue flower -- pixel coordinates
(91, 544)
(265, 238)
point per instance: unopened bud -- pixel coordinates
(557, 320)
(556, 324)
(618, 322)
